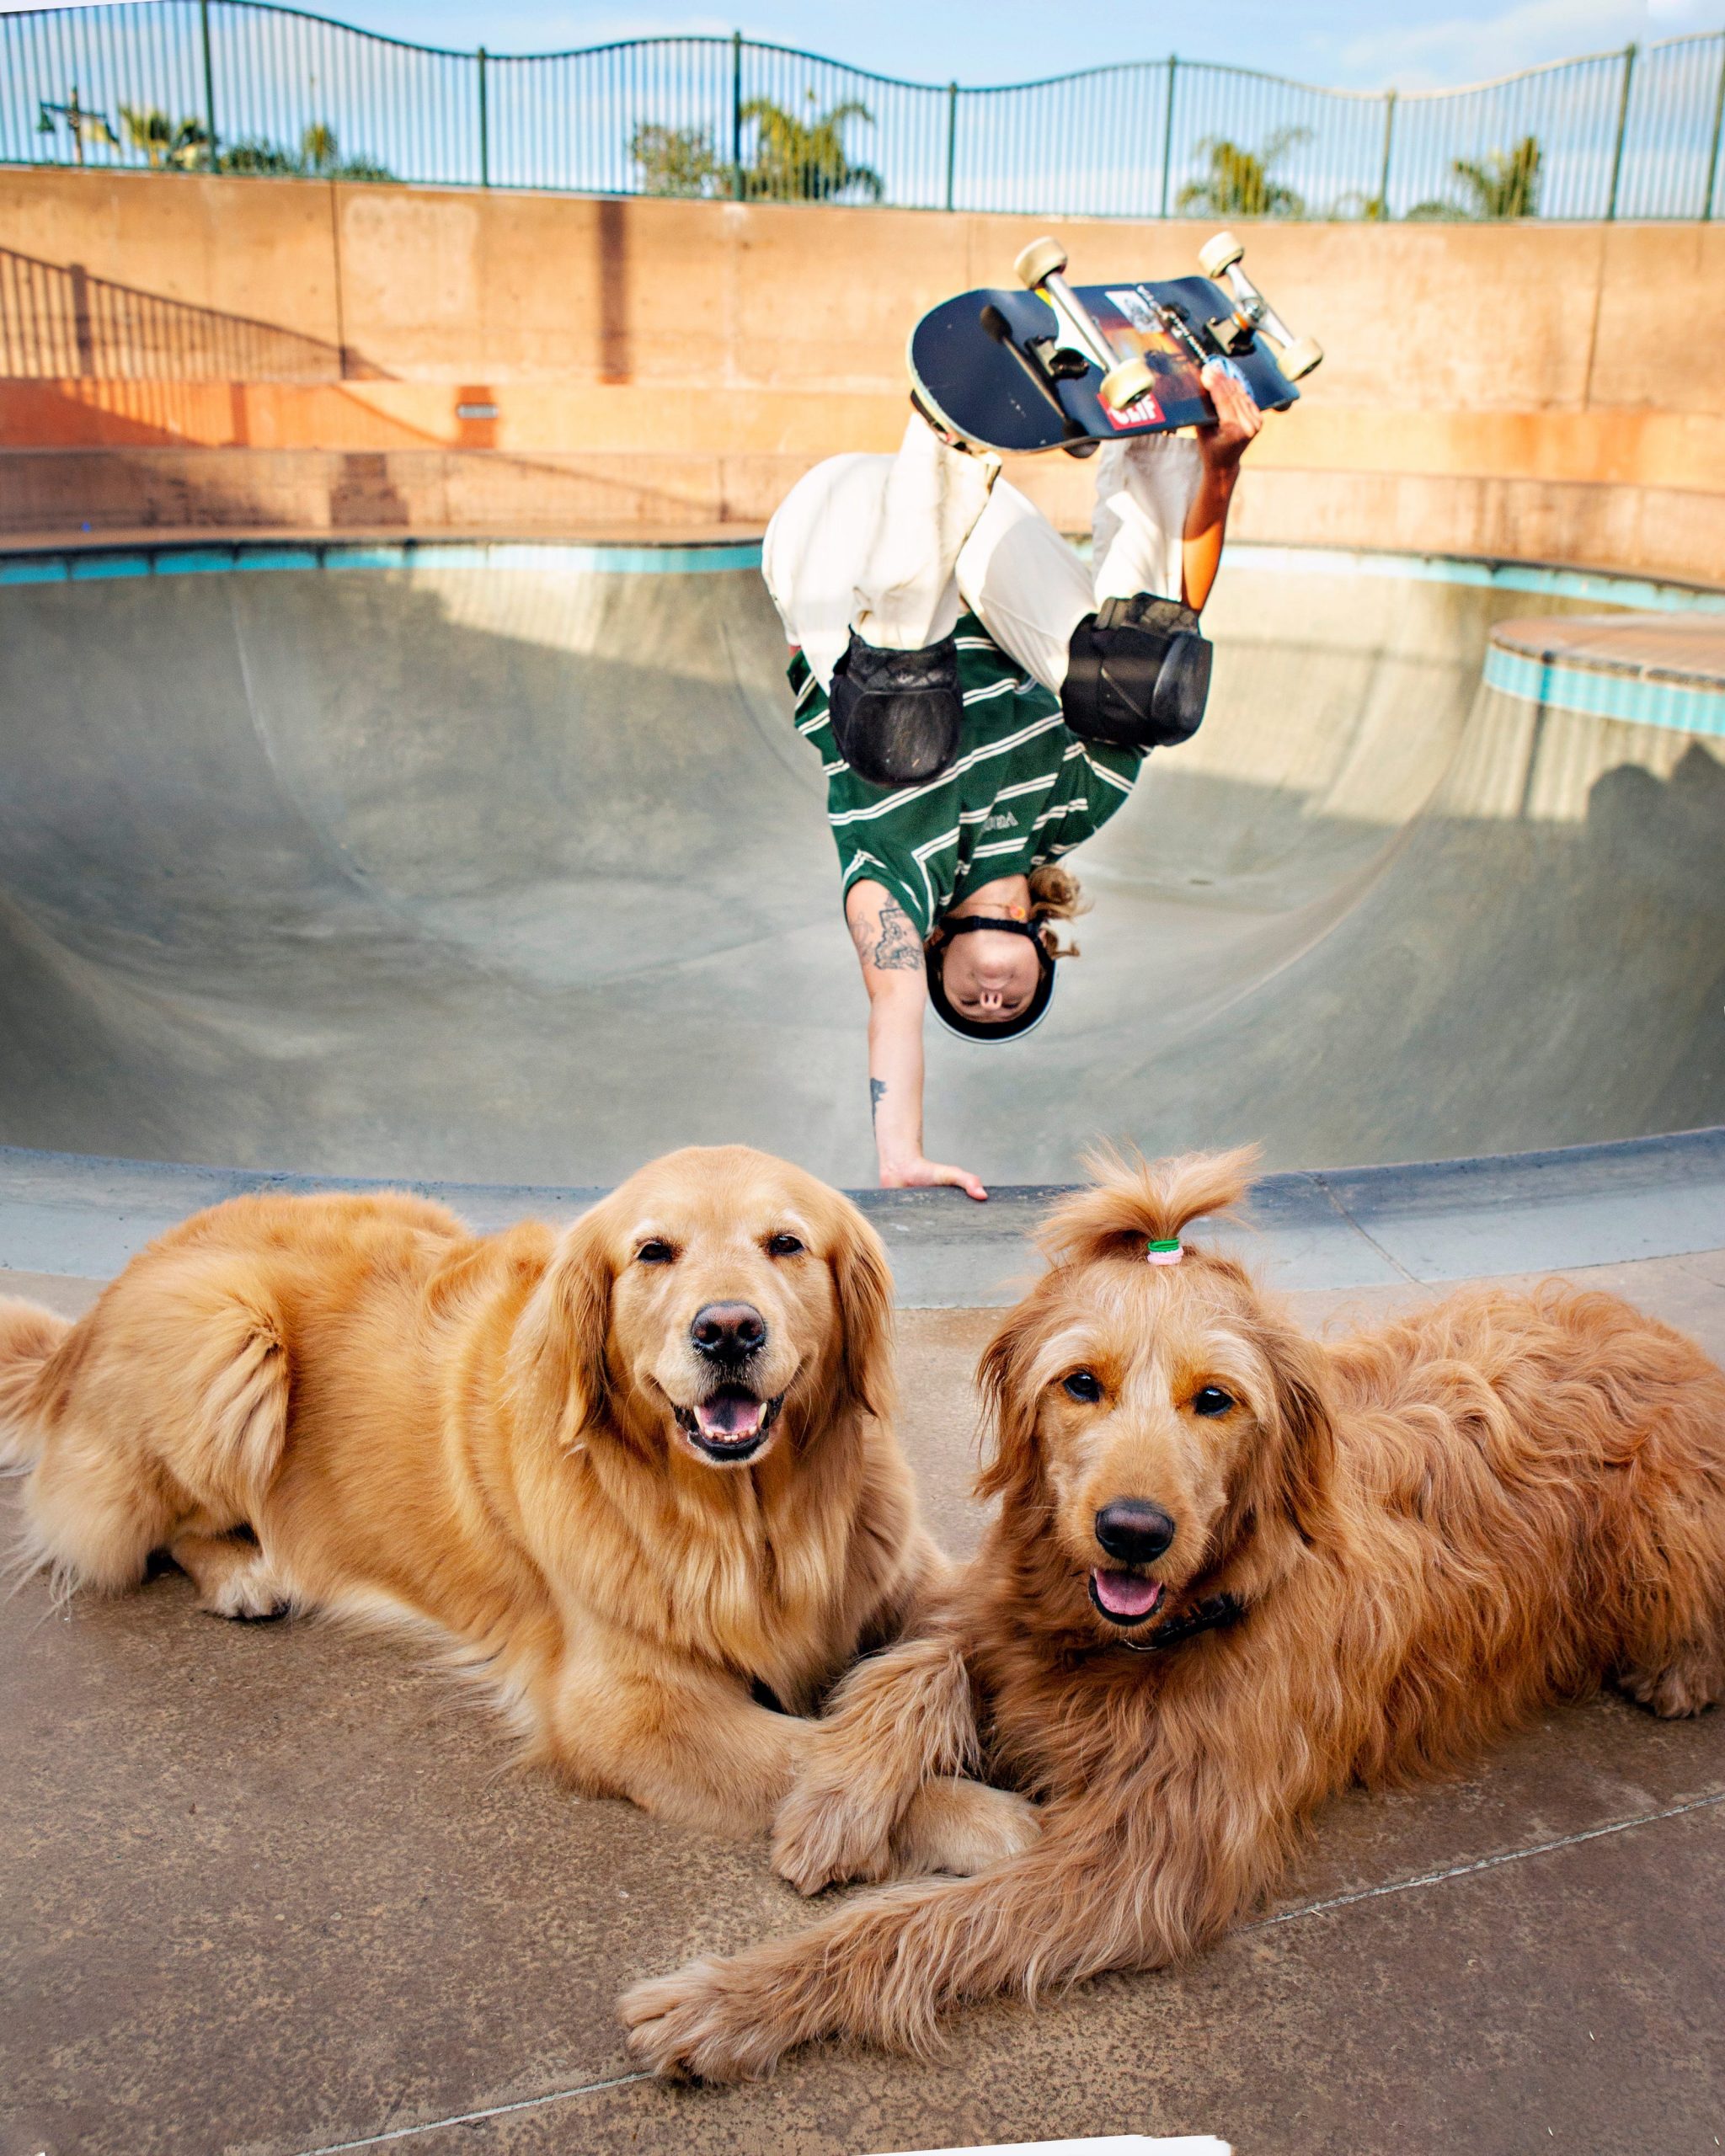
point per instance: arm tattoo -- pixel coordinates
(877, 1094)
(898, 950)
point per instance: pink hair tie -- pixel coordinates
(1169, 1252)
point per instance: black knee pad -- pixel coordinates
(896, 715)
(1137, 674)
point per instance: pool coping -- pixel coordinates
(82, 1216)
(100, 557)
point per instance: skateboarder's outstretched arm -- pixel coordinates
(1221, 448)
(889, 950)
(1162, 503)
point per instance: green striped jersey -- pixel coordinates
(1022, 790)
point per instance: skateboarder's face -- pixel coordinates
(989, 975)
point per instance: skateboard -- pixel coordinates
(1053, 367)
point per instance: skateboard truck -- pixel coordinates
(1220, 260)
(1040, 268)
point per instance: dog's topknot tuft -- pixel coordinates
(1133, 1201)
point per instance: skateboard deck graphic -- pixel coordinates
(1049, 367)
(981, 362)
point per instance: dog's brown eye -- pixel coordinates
(784, 1246)
(1082, 1384)
(1212, 1401)
(655, 1252)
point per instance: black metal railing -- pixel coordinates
(239, 86)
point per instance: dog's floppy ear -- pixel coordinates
(1308, 1434)
(863, 1284)
(1013, 1468)
(556, 1361)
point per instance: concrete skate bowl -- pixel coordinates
(505, 864)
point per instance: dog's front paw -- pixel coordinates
(1688, 1685)
(249, 1594)
(699, 2024)
(964, 1827)
(824, 1836)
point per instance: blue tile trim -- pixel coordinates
(1601, 693)
(548, 557)
(553, 557)
(1591, 586)
(276, 557)
(89, 568)
(193, 561)
(369, 557)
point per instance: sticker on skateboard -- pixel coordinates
(1053, 367)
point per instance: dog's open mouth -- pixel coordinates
(731, 1424)
(1125, 1597)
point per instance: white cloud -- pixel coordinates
(1473, 48)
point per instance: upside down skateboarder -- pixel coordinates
(983, 702)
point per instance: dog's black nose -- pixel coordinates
(728, 1331)
(1134, 1530)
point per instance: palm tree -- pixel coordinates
(1506, 183)
(151, 131)
(318, 150)
(1502, 183)
(317, 158)
(1238, 183)
(804, 160)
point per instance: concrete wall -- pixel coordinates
(189, 352)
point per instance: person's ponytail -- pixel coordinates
(1056, 894)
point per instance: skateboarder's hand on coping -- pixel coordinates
(929, 1175)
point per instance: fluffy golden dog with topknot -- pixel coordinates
(639, 1477)
(1234, 1570)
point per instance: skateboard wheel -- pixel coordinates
(1219, 254)
(1043, 258)
(1122, 384)
(1300, 357)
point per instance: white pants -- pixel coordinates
(896, 547)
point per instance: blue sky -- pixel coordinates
(1361, 43)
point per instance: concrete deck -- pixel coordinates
(270, 1892)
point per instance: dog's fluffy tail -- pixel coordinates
(1135, 1201)
(29, 1335)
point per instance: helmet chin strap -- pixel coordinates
(1014, 922)
(1011, 913)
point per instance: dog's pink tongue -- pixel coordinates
(1127, 1594)
(729, 1414)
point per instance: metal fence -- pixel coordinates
(240, 86)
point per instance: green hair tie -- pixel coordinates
(1165, 1251)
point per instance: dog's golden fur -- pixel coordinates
(481, 1436)
(1433, 1529)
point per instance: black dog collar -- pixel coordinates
(1211, 1615)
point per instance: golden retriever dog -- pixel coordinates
(1233, 1572)
(640, 1476)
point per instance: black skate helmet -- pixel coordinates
(982, 1029)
